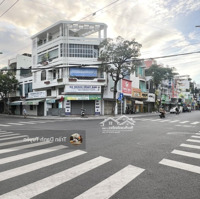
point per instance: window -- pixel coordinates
(49, 92)
(61, 90)
(28, 89)
(53, 54)
(31, 107)
(54, 74)
(43, 75)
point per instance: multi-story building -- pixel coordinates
(66, 75)
(21, 66)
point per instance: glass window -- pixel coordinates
(43, 75)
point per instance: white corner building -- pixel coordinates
(66, 74)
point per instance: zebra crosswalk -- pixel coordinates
(25, 123)
(184, 153)
(169, 121)
(105, 188)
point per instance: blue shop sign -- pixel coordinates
(83, 72)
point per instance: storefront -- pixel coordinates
(87, 97)
(150, 102)
(35, 103)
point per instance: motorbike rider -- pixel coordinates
(177, 110)
(162, 111)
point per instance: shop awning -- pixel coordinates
(32, 102)
(138, 102)
(15, 103)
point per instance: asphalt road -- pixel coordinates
(158, 158)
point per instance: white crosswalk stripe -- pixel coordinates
(191, 140)
(113, 184)
(41, 186)
(38, 165)
(27, 123)
(197, 133)
(185, 153)
(11, 143)
(31, 154)
(194, 123)
(190, 146)
(4, 125)
(17, 148)
(183, 122)
(7, 135)
(15, 124)
(156, 120)
(174, 121)
(165, 120)
(194, 136)
(180, 165)
(15, 137)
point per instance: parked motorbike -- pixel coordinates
(82, 112)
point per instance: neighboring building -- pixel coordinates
(149, 63)
(21, 67)
(65, 81)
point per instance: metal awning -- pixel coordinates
(15, 103)
(138, 102)
(32, 102)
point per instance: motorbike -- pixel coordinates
(162, 115)
(82, 112)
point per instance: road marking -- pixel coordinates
(17, 148)
(197, 133)
(190, 146)
(31, 154)
(164, 120)
(41, 186)
(174, 121)
(4, 125)
(40, 122)
(10, 143)
(27, 122)
(113, 184)
(191, 140)
(180, 165)
(194, 123)
(7, 135)
(183, 122)
(156, 120)
(15, 137)
(188, 154)
(38, 165)
(15, 124)
(3, 131)
(194, 136)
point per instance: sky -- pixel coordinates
(163, 27)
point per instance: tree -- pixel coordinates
(159, 74)
(118, 59)
(8, 84)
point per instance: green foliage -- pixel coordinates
(8, 84)
(117, 57)
(160, 73)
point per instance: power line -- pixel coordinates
(10, 8)
(2, 2)
(99, 64)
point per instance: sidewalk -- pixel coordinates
(89, 117)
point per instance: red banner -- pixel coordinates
(126, 86)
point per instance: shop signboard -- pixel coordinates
(136, 93)
(38, 94)
(82, 97)
(83, 72)
(83, 89)
(126, 86)
(151, 97)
